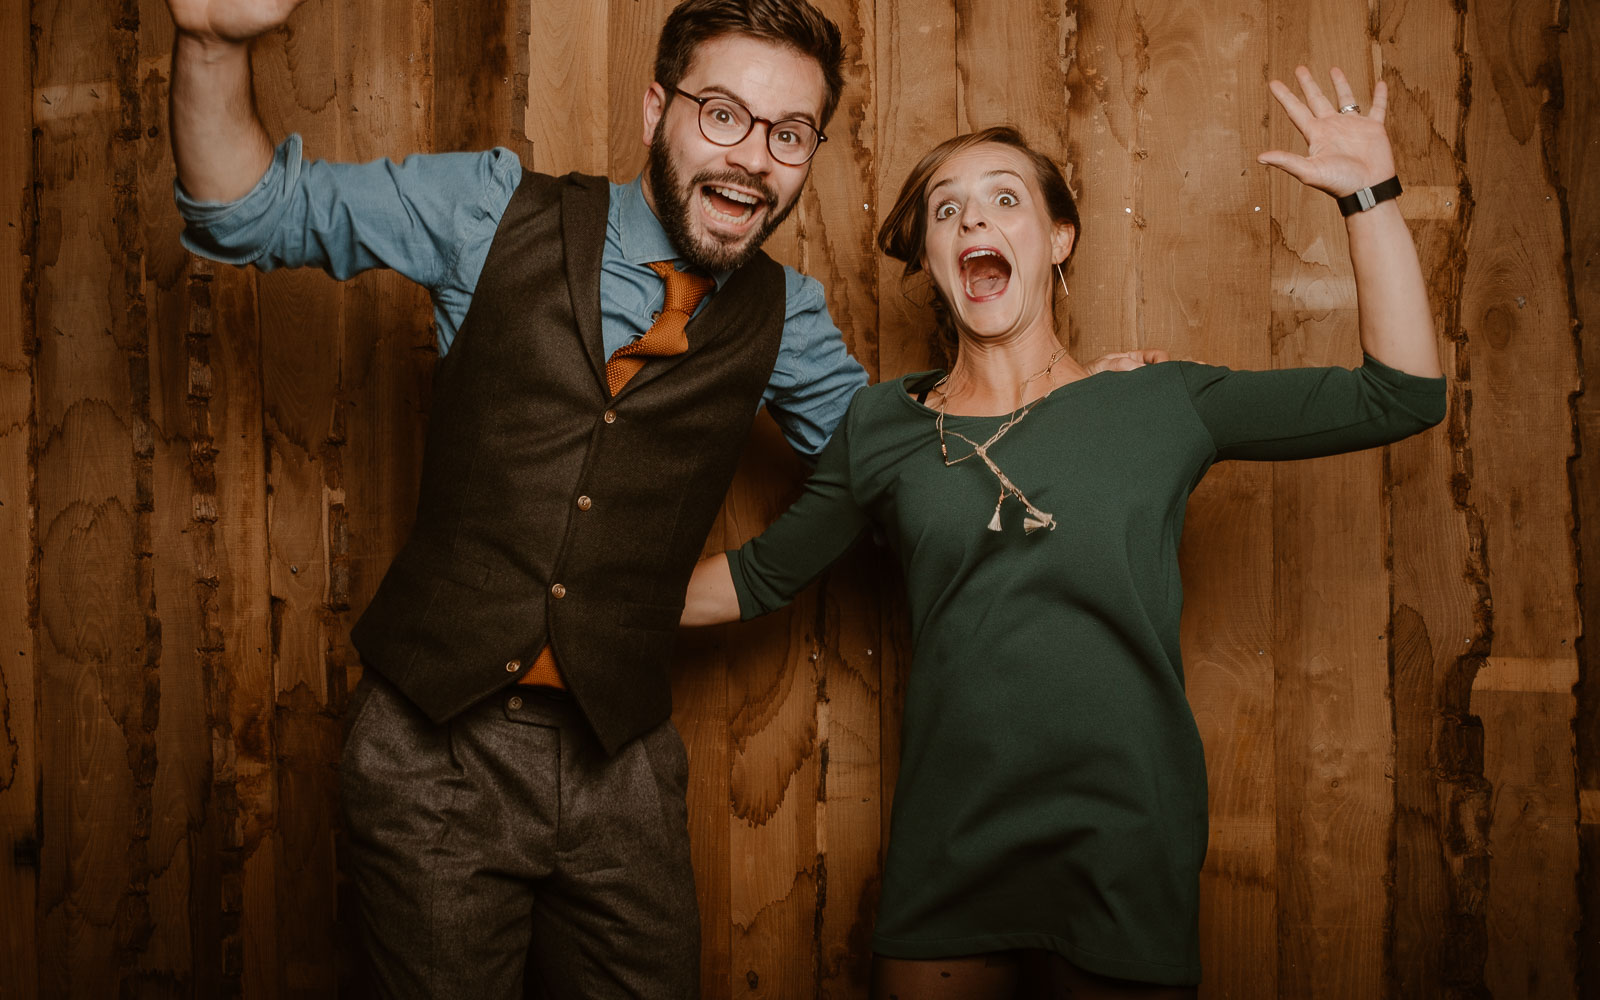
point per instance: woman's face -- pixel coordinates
(991, 246)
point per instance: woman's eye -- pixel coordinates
(1007, 199)
(944, 211)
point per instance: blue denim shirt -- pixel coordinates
(432, 218)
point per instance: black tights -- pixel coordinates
(1029, 974)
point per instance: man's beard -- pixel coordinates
(673, 208)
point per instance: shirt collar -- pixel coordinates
(643, 239)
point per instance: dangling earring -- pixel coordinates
(1063, 280)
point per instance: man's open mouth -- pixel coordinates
(985, 273)
(725, 204)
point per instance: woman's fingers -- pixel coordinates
(1341, 89)
(1292, 106)
(1295, 166)
(1315, 99)
(1380, 101)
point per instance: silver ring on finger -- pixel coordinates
(1348, 108)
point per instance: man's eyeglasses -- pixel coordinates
(726, 122)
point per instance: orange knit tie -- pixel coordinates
(665, 337)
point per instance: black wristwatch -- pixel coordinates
(1369, 197)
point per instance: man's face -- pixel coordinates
(718, 204)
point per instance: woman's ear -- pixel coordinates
(1061, 241)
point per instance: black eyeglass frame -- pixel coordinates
(755, 119)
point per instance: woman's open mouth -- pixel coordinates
(985, 273)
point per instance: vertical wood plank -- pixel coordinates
(1437, 631)
(301, 86)
(96, 664)
(1333, 716)
(1579, 167)
(1515, 309)
(387, 351)
(1196, 113)
(19, 732)
(480, 76)
(916, 110)
(1107, 64)
(184, 950)
(632, 32)
(835, 222)
(568, 88)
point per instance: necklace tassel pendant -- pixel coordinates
(1030, 524)
(994, 522)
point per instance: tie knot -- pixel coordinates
(684, 290)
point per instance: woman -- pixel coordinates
(1050, 818)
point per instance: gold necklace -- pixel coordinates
(1035, 518)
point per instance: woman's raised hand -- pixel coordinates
(230, 20)
(1348, 150)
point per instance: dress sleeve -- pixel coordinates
(770, 569)
(1309, 412)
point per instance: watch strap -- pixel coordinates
(1369, 197)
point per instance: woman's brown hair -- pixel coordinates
(905, 228)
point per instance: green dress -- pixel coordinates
(1052, 790)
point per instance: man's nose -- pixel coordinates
(751, 152)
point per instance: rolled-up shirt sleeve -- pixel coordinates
(815, 376)
(414, 216)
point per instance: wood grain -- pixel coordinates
(19, 732)
(1437, 633)
(1515, 308)
(1202, 256)
(1335, 733)
(1580, 193)
(94, 483)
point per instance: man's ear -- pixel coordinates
(655, 105)
(1061, 241)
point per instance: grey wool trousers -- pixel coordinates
(504, 855)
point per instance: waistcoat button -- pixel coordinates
(611, 416)
(515, 703)
(513, 666)
(558, 591)
(584, 503)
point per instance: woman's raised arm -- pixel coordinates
(1348, 153)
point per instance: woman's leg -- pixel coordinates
(971, 977)
(1044, 975)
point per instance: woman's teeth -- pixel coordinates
(985, 273)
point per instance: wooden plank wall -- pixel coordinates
(204, 471)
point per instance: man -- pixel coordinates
(512, 787)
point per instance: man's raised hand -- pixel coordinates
(233, 21)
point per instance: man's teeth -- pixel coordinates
(738, 196)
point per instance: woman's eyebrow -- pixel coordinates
(997, 172)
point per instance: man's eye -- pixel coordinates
(787, 137)
(722, 116)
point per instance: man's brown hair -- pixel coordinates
(794, 23)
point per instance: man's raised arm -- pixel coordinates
(218, 141)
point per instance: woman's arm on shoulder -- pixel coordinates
(1347, 152)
